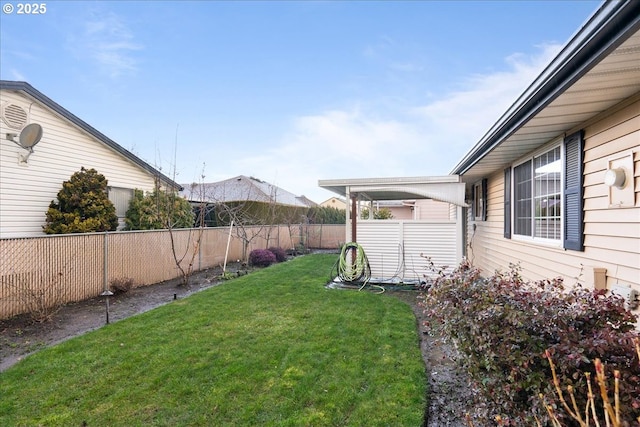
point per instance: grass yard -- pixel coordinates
(274, 348)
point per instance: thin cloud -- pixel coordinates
(407, 67)
(424, 139)
(334, 144)
(465, 115)
(379, 48)
(107, 42)
(17, 75)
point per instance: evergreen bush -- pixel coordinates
(158, 210)
(82, 206)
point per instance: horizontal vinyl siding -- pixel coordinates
(26, 191)
(395, 249)
(437, 240)
(429, 209)
(612, 236)
(380, 240)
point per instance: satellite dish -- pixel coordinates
(30, 136)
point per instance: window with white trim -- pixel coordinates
(537, 186)
(544, 196)
(547, 201)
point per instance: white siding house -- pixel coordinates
(68, 143)
(543, 179)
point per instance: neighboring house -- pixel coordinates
(401, 209)
(241, 190)
(555, 183)
(30, 181)
(334, 202)
(419, 209)
(306, 201)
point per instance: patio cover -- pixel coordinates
(447, 188)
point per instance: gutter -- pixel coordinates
(603, 32)
(57, 108)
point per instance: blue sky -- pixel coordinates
(293, 91)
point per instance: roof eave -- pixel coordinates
(58, 109)
(603, 32)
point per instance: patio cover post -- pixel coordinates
(354, 217)
(354, 226)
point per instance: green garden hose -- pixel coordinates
(353, 268)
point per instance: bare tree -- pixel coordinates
(194, 240)
(253, 214)
(247, 217)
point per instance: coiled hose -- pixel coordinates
(353, 267)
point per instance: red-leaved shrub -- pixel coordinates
(280, 254)
(503, 325)
(261, 258)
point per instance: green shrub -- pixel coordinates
(503, 326)
(381, 213)
(158, 210)
(82, 206)
(326, 215)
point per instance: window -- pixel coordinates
(479, 205)
(538, 196)
(543, 195)
(120, 197)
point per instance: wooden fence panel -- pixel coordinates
(54, 270)
(325, 236)
(48, 271)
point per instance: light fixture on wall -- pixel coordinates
(618, 178)
(615, 177)
(28, 138)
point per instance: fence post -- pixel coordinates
(106, 260)
(200, 235)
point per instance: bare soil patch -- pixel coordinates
(449, 397)
(20, 336)
(450, 394)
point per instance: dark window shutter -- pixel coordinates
(485, 204)
(472, 203)
(573, 192)
(507, 203)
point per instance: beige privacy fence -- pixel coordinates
(52, 270)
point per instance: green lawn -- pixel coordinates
(274, 348)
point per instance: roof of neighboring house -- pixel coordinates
(595, 70)
(242, 189)
(333, 200)
(307, 201)
(35, 94)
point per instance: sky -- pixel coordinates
(290, 92)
